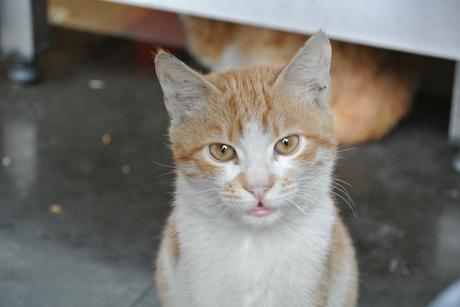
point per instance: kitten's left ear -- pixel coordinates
(307, 75)
(185, 91)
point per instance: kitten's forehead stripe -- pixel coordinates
(234, 122)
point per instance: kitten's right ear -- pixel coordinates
(307, 75)
(185, 91)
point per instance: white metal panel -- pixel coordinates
(429, 27)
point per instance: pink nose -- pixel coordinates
(258, 192)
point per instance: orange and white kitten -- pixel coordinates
(253, 222)
(372, 88)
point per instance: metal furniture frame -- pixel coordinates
(23, 36)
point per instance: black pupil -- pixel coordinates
(285, 142)
(223, 148)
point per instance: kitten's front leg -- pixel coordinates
(167, 259)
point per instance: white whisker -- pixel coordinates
(167, 173)
(297, 206)
(162, 164)
(347, 202)
(223, 213)
(343, 181)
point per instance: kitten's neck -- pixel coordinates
(201, 235)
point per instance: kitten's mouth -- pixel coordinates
(260, 210)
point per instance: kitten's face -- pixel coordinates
(249, 147)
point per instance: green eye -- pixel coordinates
(287, 145)
(222, 152)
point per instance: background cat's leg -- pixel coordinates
(23, 35)
(454, 128)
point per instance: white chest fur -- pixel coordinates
(225, 264)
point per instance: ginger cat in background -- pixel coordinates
(254, 224)
(372, 88)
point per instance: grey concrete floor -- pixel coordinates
(80, 220)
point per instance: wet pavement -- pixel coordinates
(85, 187)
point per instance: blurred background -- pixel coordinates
(86, 175)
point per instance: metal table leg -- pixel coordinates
(23, 35)
(454, 127)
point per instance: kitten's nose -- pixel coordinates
(258, 191)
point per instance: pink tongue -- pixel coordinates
(260, 211)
